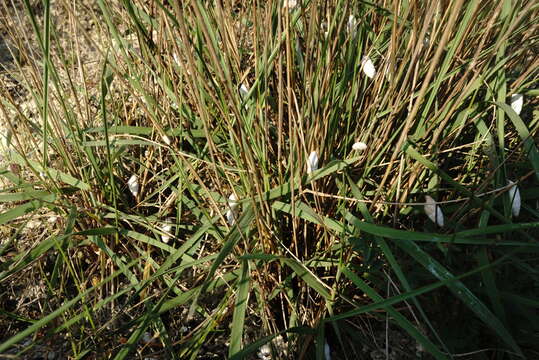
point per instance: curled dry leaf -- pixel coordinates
(166, 140)
(434, 212)
(15, 168)
(514, 196)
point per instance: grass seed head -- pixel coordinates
(166, 140)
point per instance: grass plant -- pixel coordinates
(234, 239)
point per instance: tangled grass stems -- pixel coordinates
(202, 165)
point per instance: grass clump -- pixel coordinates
(243, 179)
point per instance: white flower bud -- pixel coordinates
(264, 353)
(244, 90)
(146, 338)
(433, 211)
(327, 351)
(232, 212)
(514, 196)
(517, 100)
(312, 162)
(233, 201)
(359, 146)
(351, 26)
(368, 67)
(167, 228)
(132, 183)
(289, 4)
(230, 217)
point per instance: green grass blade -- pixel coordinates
(529, 145)
(309, 278)
(462, 292)
(48, 318)
(396, 316)
(26, 208)
(240, 308)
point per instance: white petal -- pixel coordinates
(368, 67)
(517, 100)
(514, 196)
(230, 217)
(434, 212)
(166, 140)
(289, 4)
(233, 201)
(166, 228)
(264, 353)
(351, 26)
(327, 351)
(312, 162)
(324, 27)
(359, 146)
(244, 90)
(132, 183)
(146, 338)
